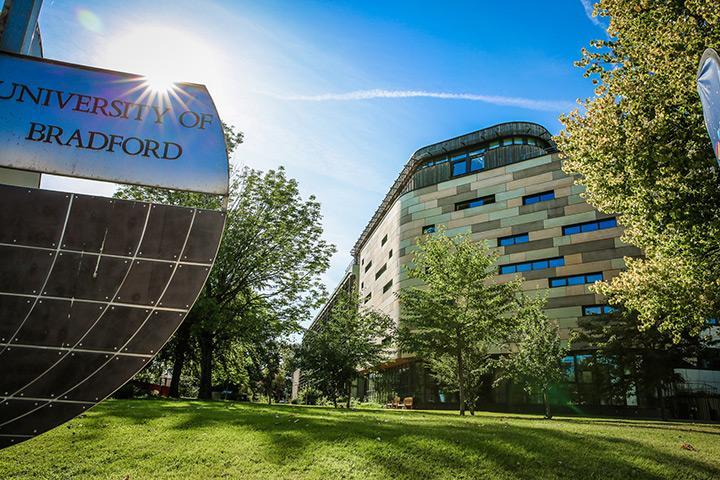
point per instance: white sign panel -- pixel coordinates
(90, 123)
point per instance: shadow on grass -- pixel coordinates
(429, 445)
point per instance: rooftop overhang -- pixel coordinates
(445, 147)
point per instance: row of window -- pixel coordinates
(478, 151)
(576, 279)
(538, 197)
(533, 265)
(590, 226)
(475, 202)
(380, 271)
(513, 239)
(597, 310)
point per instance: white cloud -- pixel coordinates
(528, 103)
(589, 5)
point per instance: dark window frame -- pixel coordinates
(486, 200)
(383, 241)
(387, 286)
(538, 197)
(530, 265)
(566, 279)
(514, 239)
(429, 229)
(380, 271)
(367, 267)
(591, 226)
(604, 309)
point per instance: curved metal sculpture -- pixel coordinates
(90, 289)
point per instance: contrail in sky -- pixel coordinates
(528, 103)
(589, 6)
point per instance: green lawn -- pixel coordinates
(148, 439)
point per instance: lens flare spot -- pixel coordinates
(89, 20)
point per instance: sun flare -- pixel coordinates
(164, 56)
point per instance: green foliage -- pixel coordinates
(460, 314)
(349, 339)
(266, 277)
(536, 361)
(641, 149)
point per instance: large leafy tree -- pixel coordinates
(536, 359)
(350, 339)
(267, 269)
(640, 147)
(459, 315)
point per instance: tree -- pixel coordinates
(639, 361)
(350, 339)
(640, 148)
(459, 314)
(270, 260)
(536, 362)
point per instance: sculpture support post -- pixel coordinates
(19, 33)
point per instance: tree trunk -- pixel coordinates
(206, 355)
(461, 381)
(182, 346)
(268, 389)
(546, 401)
(349, 392)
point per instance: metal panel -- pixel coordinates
(86, 122)
(89, 297)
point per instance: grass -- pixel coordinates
(150, 439)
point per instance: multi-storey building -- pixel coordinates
(504, 185)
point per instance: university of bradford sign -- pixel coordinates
(85, 122)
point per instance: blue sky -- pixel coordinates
(323, 87)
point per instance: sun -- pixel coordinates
(164, 55)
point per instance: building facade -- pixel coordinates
(503, 185)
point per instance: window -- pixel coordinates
(538, 197)
(368, 297)
(387, 286)
(362, 285)
(380, 271)
(467, 165)
(597, 310)
(390, 254)
(459, 168)
(569, 367)
(367, 267)
(513, 239)
(477, 163)
(534, 265)
(362, 262)
(590, 226)
(428, 229)
(383, 241)
(576, 280)
(494, 145)
(475, 202)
